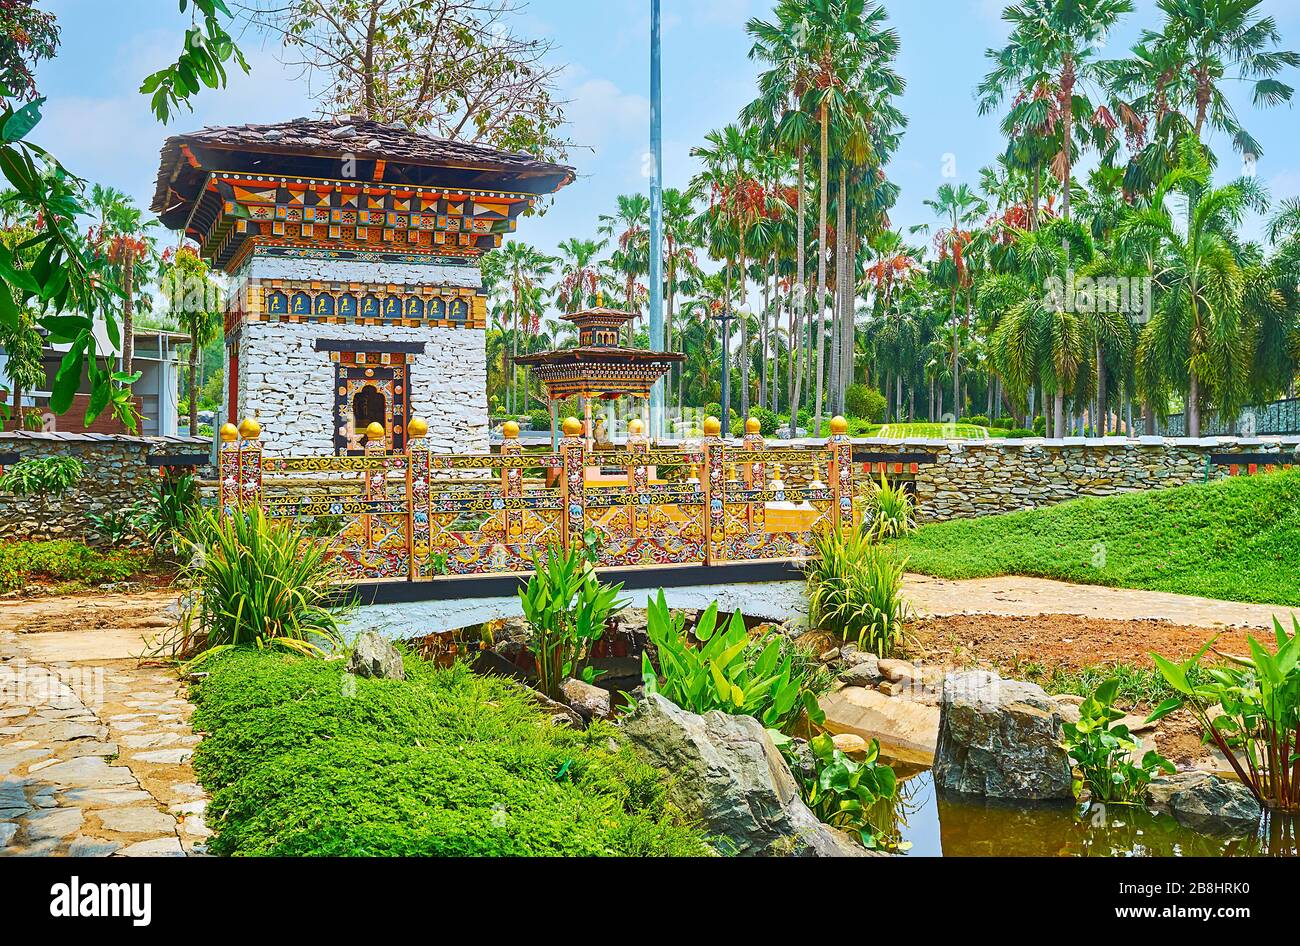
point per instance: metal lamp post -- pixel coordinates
(723, 318)
(656, 430)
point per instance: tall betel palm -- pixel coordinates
(960, 208)
(122, 237)
(523, 270)
(629, 227)
(579, 274)
(1053, 45)
(1195, 344)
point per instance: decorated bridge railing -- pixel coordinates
(418, 516)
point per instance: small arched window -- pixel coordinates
(369, 407)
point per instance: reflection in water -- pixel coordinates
(954, 826)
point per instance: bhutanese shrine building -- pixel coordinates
(353, 249)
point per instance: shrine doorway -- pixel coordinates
(369, 406)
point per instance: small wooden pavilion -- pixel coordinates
(598, 369)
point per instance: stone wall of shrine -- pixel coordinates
(298, 376)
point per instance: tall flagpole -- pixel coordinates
(656, 221)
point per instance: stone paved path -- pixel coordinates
(1015, 596)
(94, 749)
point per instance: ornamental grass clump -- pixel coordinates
(259, 582)
(892, 510)
(855, 591)
(1257, 727)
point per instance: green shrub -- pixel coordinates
(855, 591)
(46, 477)
(62, 560)
(1022, 433)
(303, 759)
(1102, 752)
(725, 670)
(260, 582)
(566, 607)
(865, 402)
(979, 420)
(539, 419)
(768, 422)
(166, 516)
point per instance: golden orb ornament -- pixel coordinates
(417, 428)
(510, 430)
(572, 427)
(752, 426)
(839, 426)
(712, 427)
(229, 433)
(375, 431)
(634, 426)
(250, 429)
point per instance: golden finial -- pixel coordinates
(752, 426)
(572, 427)
(375, 431)
(712, 427)
(250, 429)
(600, 299)
(417, 428)
(510, 430)
(229, 433)
(635, 427)
(839, 426)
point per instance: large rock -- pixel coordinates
(906, 729)
(1206, 802)
(374, 656)
(728, 774)
(1000, 739)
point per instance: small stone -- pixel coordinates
(374, 656)
(7, 831)
(588, 701)
(897, 670)
(850, 743)
(831, 655)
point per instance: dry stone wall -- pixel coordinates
(967, 479)
(117, 474)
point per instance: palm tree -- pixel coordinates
(1049, 58)
(194, 301)
(1173, 82)
(681, 237)
(579, 274)
(523, 269)
(122, 237)
(960, 208)
(1195, 339)
(629, 227)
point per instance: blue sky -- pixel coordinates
(102, 129)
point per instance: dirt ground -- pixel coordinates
(1068, 641)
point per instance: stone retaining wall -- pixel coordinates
(117, 474)
(969, 479)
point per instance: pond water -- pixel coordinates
(963, 827)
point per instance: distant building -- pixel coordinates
(157, 393)
(353, 250)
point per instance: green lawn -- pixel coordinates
(934, 431)
(1237, 539)
(303, 760)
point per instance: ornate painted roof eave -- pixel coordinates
(314, 148)
(599, 356)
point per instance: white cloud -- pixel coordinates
(599, 111)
